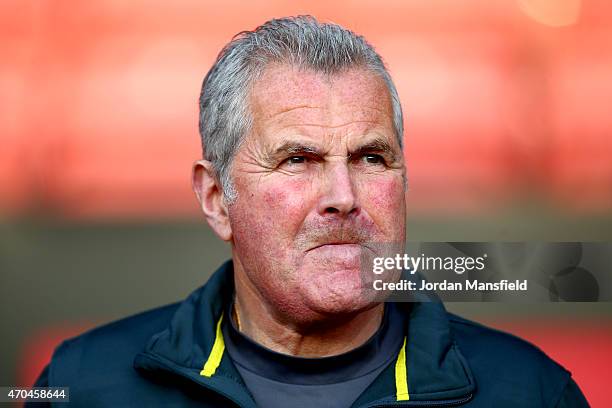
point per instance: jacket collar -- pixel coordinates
(429, 367)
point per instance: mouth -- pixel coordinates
(347, 244)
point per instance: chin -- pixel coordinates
(338, 298)
(343, 309)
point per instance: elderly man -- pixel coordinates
(303, 172)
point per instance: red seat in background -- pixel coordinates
(37, 349)
(582, 347)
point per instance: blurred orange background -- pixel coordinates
(504, 100)
(507, 111)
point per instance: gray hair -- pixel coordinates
(299, 41)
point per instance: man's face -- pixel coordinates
(319, 178)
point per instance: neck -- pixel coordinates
(323, 337)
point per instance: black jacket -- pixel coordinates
(174, 356)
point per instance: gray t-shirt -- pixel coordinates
(280, 380)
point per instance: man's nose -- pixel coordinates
(338, 193)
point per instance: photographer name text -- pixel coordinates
(467, 285)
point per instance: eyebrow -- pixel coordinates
(290, 148)
(378, 145)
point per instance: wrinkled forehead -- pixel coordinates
(286, 96)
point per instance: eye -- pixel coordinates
(373, 159)
(296, 160)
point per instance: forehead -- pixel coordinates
(286, 96)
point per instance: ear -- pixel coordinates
(210, 196)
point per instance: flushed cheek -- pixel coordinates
(271, 206)
(384, 201)
(287, 202)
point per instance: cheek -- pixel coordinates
(385, 194)
(385, 202)
(287, 201)
(275, 208)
